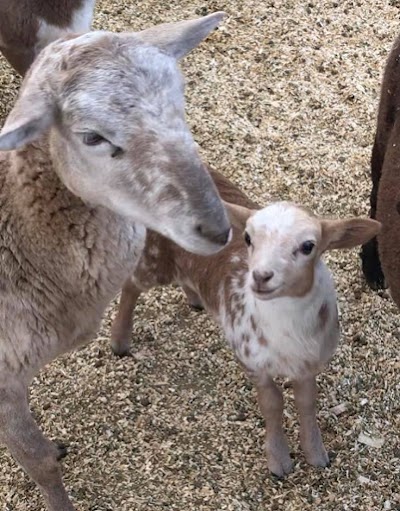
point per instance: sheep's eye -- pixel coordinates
(307, 247)
(247, 239)
(91, 138)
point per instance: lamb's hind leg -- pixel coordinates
(121, 330)
(305, 395)
(37, 455)
(271, 404)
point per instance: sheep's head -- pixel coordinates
(286, 240)
(115, 106)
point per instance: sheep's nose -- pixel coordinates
(220, 238)
(260, 277)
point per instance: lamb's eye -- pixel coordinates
(91, 138)
(307, 247)
(247, 239)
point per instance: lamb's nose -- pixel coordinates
(260, 277)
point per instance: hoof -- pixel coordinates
(279, 461)
(371, 266)
(196, 307)
(280, 468)
(121, 353)
(120, 345)
(319, 459)
(62, 450)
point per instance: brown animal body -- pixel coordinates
(381, 256)
(27, 26)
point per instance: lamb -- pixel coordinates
(380, 256)
(99, 150)
(27, 26)
(274, 299)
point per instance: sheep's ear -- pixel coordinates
(238, 215)
(178, 39)
(347, 233)
(31, 117)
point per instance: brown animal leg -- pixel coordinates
(121, 329)
(305, 394)
(371, 265)
(36, 454)
(388, 212)
(20, 60)
(270, 400)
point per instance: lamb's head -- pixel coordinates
(285, 242)
(114, 106)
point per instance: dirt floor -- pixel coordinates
(282, 99)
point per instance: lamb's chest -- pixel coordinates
(284, 346)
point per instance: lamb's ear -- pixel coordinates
(178, 39)
(347, 233)
(238, 215)
(32, 115)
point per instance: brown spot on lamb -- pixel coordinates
(323, 315)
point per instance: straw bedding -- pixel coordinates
(283, 100)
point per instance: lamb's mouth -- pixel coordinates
(264, 294)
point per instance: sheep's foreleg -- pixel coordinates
(37, 455)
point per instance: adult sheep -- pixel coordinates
(98, 150)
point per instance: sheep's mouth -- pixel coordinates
(264, 294)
